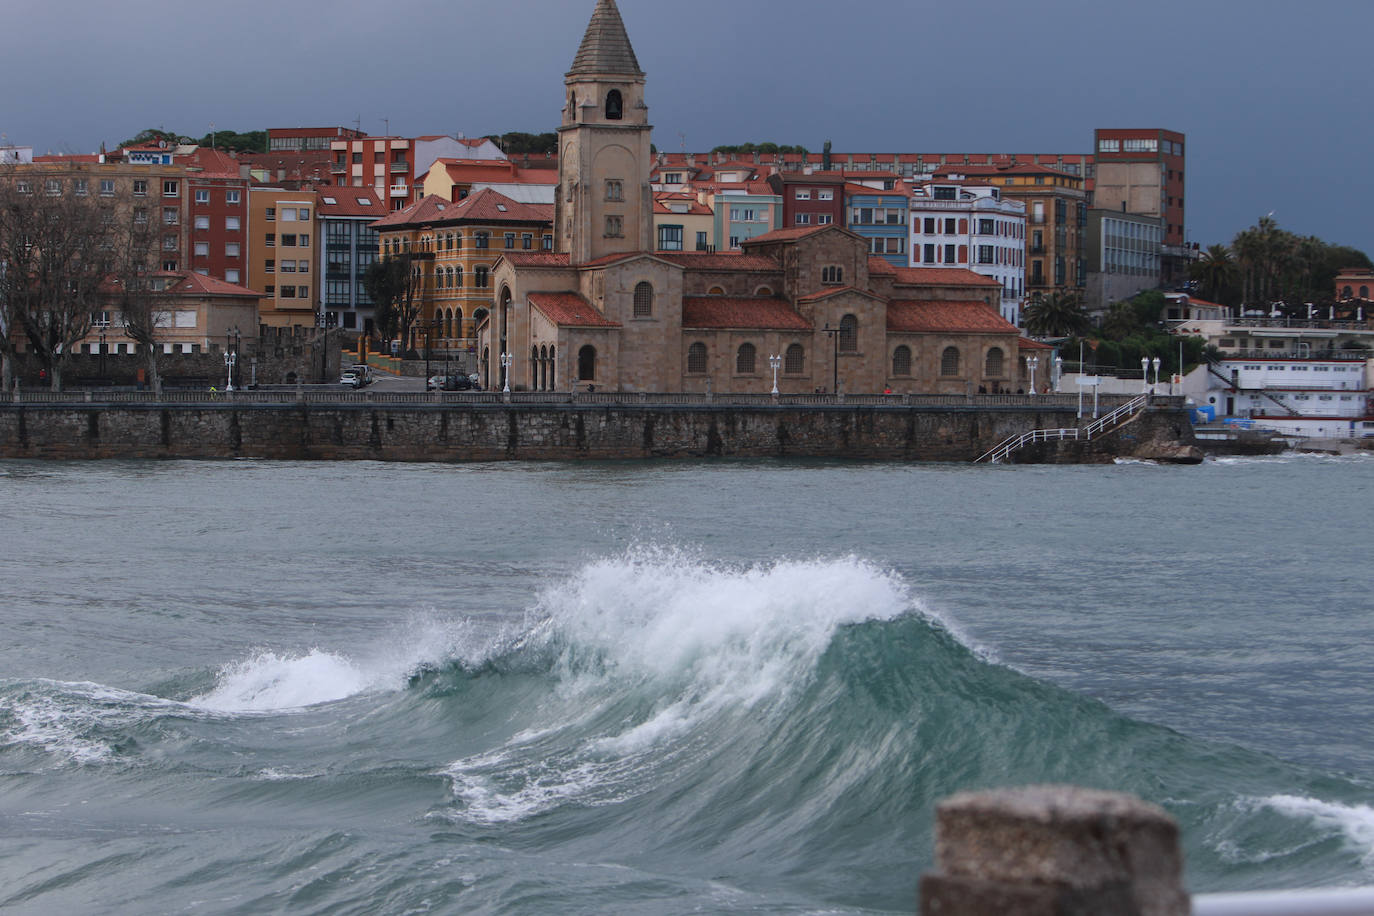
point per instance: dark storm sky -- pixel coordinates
(1274, 97)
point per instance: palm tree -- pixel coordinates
(1218, 273)
(1059, 314)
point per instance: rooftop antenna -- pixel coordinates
(683, 137)
(212, 136)
(386, 124)
(359, 122)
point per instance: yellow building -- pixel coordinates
(455, 246)
(282, 246)
(683, 223)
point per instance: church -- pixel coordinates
(808, 306)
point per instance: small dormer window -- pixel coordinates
(615, 106)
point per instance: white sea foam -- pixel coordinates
(697, 639)
(273, 681)
(1355, 823)
(73, 722)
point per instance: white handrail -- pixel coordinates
(1013, 443)
(1357, 901)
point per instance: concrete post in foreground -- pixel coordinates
(1054, 851)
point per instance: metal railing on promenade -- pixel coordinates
(334, 396)
(1118, 416)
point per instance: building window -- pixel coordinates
(615, 227)
(479, 277)
(482, 240)
(901, 361)
(849, 334)
(615, 105)
(949, 361)
(824, 219)
(231, 276)
(548, 243)
(201, 222)
(526, 241)
(231, 250)
(231, 223)
(586, 364)
(803, 219)
(81, 186)
(702, 244)
(458, 277)
(644, 301)
(170, 188)
(825, 195)
(832, 275)
(170, 216)
(615, 189)
(107, 187)
(231, 197)
(510, 241)
(993, 368)
(140, 187)
(202, 197)
(794, 361)
(696, 359)
(669, 238)
(202, 249)
(744, 359)
(803, 194)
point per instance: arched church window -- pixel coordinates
(715, 291)
(901, 361)
(994, 363)
(849, 334)
(586, 364)
(644, 300)
(949, 361)
(794, 361)
(615, 106)
(696, 359)
(744, 359)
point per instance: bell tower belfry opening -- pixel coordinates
(604, 203)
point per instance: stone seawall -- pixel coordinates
(429, 432)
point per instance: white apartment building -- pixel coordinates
(971, 226)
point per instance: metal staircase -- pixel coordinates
(1231, 384)
(1112, 421)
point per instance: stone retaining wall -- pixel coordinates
(420, 432)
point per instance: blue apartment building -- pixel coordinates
(881, 217)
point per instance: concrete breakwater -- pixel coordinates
(466, 431)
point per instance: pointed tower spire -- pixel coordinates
(606, 47)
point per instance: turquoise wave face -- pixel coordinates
(755, 735)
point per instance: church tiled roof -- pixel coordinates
(742, 312)
(606, 46)
(569, 310)
(910, 316)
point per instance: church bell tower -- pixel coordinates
(604, 204)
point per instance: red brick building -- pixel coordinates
(810, 200)
(218, 202)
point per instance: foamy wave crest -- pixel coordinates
(654, 651)
(270, 681)
(1355, 823)
(747, 631)
(75, 722)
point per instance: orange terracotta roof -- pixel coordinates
(350, 202)
(881, 267)
(924, 317)
(837, 290)
(487, 205)
(732, 312)
(664, 200)
(535, 258)
(943, 276)
(195, 284)
(212, 164)
(420, 212)
(721, 260)
(784, 235)
(1026, 343)
(569, 310)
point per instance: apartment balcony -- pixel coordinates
(339, 168)
(400, 168)
(400, 190)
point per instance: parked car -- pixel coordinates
(364, 372)
(351, 379)
(449, 383)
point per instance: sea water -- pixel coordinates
(246, 687)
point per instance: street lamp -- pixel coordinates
(506, 360)
(1155, 362)
(1033, 363)
(775, 362)
(230, 360)
(1058, 373)
(102, 352)
(1145, 374)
